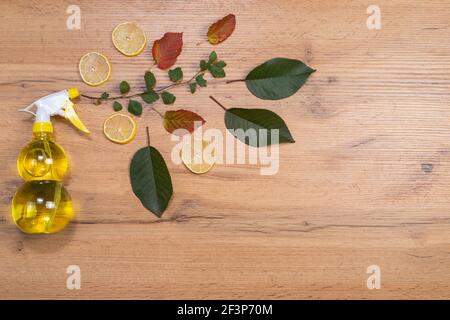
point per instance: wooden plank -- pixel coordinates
(366, 182)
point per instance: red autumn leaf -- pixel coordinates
(182, 119)
(222, 29)
(166, 50)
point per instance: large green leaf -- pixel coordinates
(256, 119)
(277, 78)
(150, 180)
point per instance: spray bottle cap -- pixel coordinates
(57, 103)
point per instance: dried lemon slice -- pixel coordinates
(119, 128)
(129, 38)
(94, 68)
(195, 158)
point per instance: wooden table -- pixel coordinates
(366, 183)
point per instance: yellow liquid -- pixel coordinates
(42, 204)
(42, 159)
(42, 207)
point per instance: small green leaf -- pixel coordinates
(192, 87)
(201, 81)
(150, 80)
(150, 180)
(168, 98)
(216, 72)
(117, 106)
(150, 96)
(135, 107)
(212, 57)
(277, 78)
(176, 74)
(221, 64)
(247, 125)
(97, 102)
(124, 87)
(104, 96)
(204, 65)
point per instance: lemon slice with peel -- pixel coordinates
(94, 68)
(129, 38)
(119, 128)
(198, 156)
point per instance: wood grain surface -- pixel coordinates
(366, 183)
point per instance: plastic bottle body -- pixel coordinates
(42, 207)
(42, 204)
(42, 159)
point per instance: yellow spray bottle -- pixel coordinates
(42, 204)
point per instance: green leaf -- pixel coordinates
(150, 96)
(117, 106)
(176, 74)
(168, 98)
(204, 65)
(124, 87)
(212, 57)
(135, 107)
(150, 80)
(104, 95)
(201, 81)
(216, 72)
(221, 64)
(256, 119)
(150, 180)
(192, 87)
(277, 78)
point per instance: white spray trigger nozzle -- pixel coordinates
(59, 104)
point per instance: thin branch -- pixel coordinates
(141, 93)
(201, 42)
(221, 105)
(148, 137)
(159, 113)
(112, 98)
(236, 80)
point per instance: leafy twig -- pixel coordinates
(213, 65)
(158, 90)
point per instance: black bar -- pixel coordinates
(223, 309)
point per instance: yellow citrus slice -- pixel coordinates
(94, 68)
(119, 128)
(129, 38)
(199, 156)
